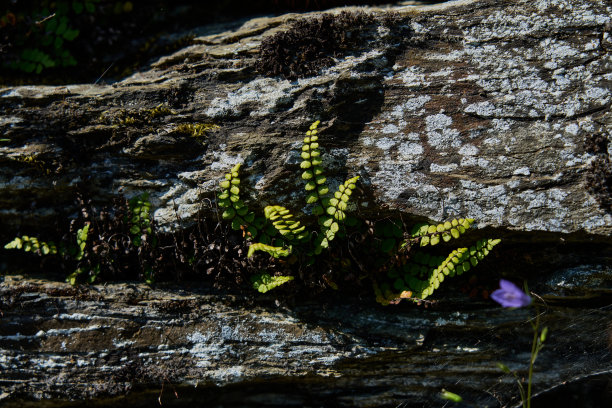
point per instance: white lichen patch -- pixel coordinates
(522, 171)
(385, 143)
(439, 133)
(410, 151)
(260, 97)
(412, 105)
(443, 168)
(223, 161)
(412, 77)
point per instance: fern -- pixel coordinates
(282, 220)
(423, 273)
(274, 251)
(235, 210)
(426, 234)
(140, 221)
(279, 231)
(331, 211)
(81, 237)
(32, 244)
(263, 282)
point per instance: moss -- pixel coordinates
(196, 130)
(311, 44)
(124, 117)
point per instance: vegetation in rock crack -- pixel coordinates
(407, 272)
(331, 245)
(110, 242)
(278, 233)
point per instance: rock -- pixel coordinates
(64, 343)
(441, 112)
(499, 111)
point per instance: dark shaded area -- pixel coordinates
(599, 175)
(66, 41)
(590, 392)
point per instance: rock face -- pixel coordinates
(495, 110)
(448, 110)
(62, 343)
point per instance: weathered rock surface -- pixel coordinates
(478, 108)
(495, 110)
(62, 343)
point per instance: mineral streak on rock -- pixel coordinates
(61, 343)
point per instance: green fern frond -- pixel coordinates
(431, 234)
(424, 273)
(334, 213)
(140, 222)
(81, 237)
(283, 221)
(275, 251)
(313, 171)
(235, 210)
(263, 282)
(32, 244)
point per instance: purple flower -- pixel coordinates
(509, 295)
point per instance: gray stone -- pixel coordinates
(470, 108)
(468, 114)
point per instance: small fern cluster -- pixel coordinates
(412, 273)
(279, 233)
(110, 243)
(421, 273)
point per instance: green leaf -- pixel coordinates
(77, 6)
(135, 229)
(543, 334)
(312, 198)
(229, 213)
(70, 34)
(387, 245)
(263, 282)
(451, 396)
(275, 251)
(17, 243)
(318, 210)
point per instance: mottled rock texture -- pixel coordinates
(482, 108)
(497, 110)
(132, 341)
